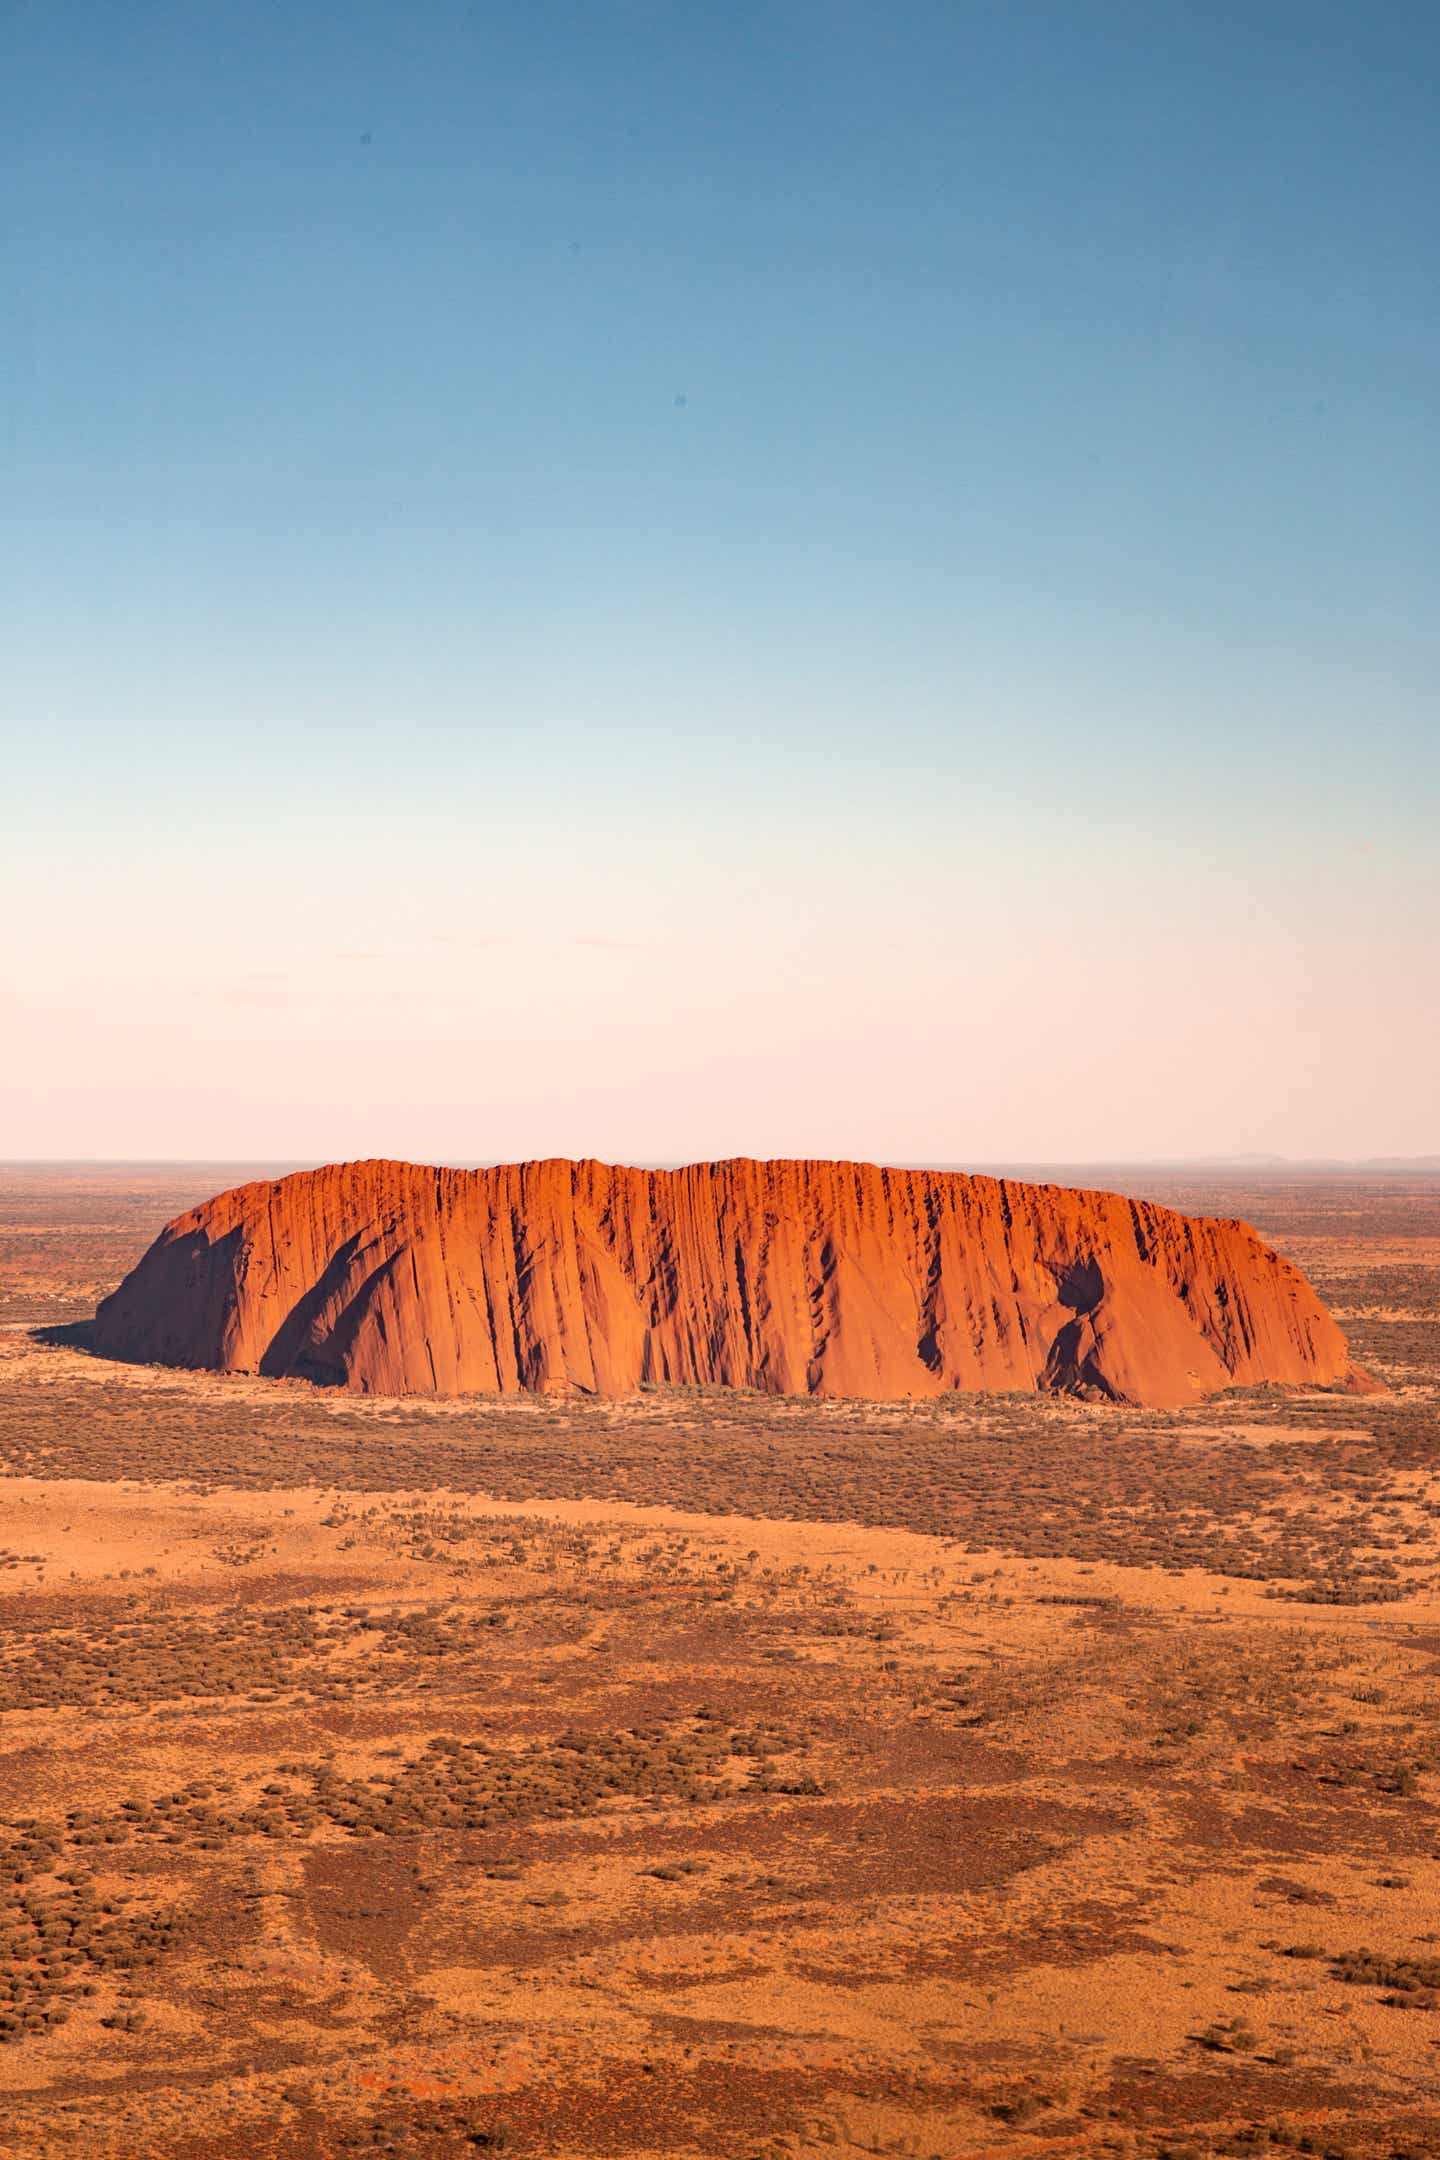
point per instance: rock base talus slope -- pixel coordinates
(824, 1278)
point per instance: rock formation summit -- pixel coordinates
(819, 1278)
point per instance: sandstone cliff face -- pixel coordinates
(790, 1277)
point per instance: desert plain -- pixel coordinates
(707, 1773)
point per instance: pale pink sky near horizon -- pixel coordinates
(639, 983)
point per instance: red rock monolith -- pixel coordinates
(820, 1278)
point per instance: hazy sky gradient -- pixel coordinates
(659, 581)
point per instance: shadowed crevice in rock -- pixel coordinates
(1081, 1285)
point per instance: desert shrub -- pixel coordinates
(1402, 1975)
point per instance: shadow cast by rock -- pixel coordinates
(67, 1335)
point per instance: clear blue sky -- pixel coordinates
(659, 580)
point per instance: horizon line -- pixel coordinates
(1428, 1163)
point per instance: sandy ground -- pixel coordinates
(718, 1778)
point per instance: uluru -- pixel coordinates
(787, 1277)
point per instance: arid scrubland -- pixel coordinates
(703, 1774)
